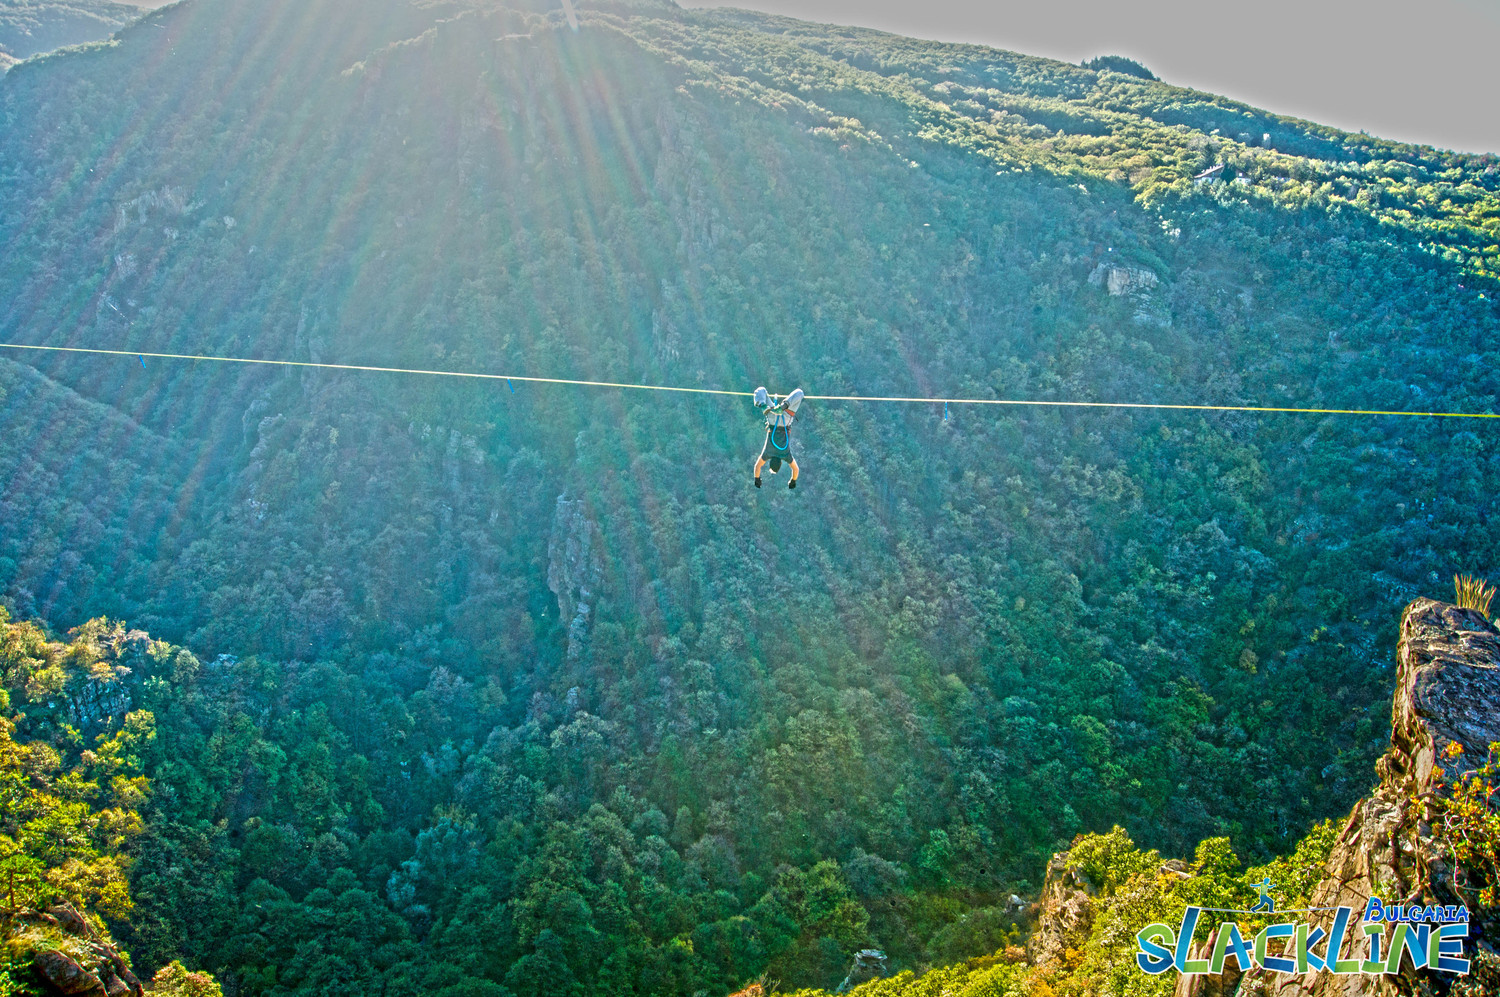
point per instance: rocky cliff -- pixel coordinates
(1445, 714)
(69, 955)
(1447, 693)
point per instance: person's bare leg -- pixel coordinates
(793, 482)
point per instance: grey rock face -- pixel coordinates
(1447, 691)
(93, 703)
(574, 568)
(1065, 913)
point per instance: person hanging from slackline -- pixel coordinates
(779, 414)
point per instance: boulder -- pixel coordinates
(66, 917)
(63, 975)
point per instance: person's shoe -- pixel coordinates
(792, 483)
(757, 482)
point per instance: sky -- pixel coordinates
(1412, 71)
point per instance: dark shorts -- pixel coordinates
(771, 452)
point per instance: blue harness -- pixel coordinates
(783, 423)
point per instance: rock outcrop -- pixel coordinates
(574, 568)
(1122, 280)
(71, 958)
(1137, 284)
(60, 972)
(1447, 693)
(869, 964)
(1064, 915)
(95, 702)
(97, 695)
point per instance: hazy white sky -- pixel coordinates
(1417, 70)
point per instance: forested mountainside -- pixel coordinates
(29, 27)
(529, 678)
